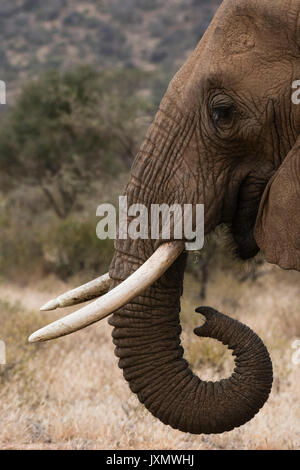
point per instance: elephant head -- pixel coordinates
(225, 136)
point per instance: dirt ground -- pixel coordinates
(70, 393)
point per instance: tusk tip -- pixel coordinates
(34, 338)
(51, 305)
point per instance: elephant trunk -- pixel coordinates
(147, 330)
(147, 338)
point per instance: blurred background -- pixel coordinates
(83, 82)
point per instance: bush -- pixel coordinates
(67, 129)
(8, 9)
(109, 42)
(64, 248)
(72, 247)
(38, 36)
(74, 19)
(92, 22)
(158, 27)
(49, 11)
(20, 249)
(18, 254)
(21, 21)
(29, 5)
(124, 11)
(147, 5)
(3, 58)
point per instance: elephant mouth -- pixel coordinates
(242, 226)
(245, 245)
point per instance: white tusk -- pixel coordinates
(88, 291)
(122, 294)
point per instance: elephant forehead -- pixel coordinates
(246, 25)
(235, 38)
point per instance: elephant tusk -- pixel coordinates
(122, 294)
(88, 291)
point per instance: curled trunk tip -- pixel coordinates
(151, 357)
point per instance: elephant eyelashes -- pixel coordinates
(223, 115)
(223, 111)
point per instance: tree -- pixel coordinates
(68, 129)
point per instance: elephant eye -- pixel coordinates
(223, 115)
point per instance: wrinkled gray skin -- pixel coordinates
(223, 129)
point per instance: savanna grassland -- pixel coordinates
(70, 394)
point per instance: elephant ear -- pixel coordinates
(277, 230)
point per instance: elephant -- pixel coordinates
(226, 135)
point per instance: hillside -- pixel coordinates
(37, 35)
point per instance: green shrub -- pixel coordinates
(48, 245)
(20, 250)
(110, 42)
(38, 36)
(125, 11)
(74, 19)
(67, 129)
(147, 5)
(71, 247)
(49, 11)
(160, 25)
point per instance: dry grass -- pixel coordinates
(70, 394)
